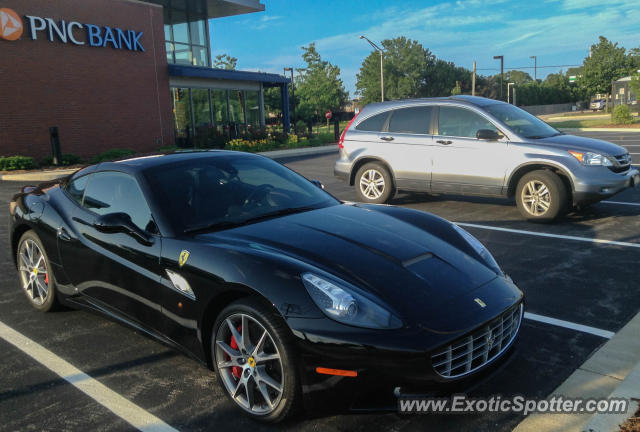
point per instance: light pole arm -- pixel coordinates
(380, 50)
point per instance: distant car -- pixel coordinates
(476, 146)
(253, 269)
(598, 104)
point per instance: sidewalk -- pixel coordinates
(46, 175)
(612, 371)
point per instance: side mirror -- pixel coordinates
(488, 134)
(112, 223)
(318, 183)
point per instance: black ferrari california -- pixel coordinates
(258, 272)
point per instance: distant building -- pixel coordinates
(623, 94)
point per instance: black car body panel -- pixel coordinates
(417, 265)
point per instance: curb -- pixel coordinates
(628, 389)
(598, 377)
(635, 130)
(38, 175)
(42, 176)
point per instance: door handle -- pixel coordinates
(447, 142)
(386, 138)
(63, 234)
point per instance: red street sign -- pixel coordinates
(328, 114)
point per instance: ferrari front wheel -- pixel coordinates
(35, 272)
(255, 362)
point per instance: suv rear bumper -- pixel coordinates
(603, 184)
(342, 170)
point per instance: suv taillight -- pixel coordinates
(344, 132)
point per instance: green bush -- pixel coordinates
(67, 159)
(12, 163)
(112, 154)
(622, 115)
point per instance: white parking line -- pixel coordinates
(620, 203)
(567, 324)
(123, 408)
(558, 236)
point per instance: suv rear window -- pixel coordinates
(414, 120)
(374, 123)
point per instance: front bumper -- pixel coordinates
(601, 183)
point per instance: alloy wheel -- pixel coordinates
(372, 184)
(249, 363)
(536, 198)
(33, 272)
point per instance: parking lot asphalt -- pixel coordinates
(568, 274)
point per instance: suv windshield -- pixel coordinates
(219, 192)
(521, 122)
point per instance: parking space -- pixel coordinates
(581, 270)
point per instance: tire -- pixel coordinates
(249, 361)
(34, 272)
(382, 189)
(541, 196)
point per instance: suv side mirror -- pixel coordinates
(121, 222)
(318, 183)
(488, 134)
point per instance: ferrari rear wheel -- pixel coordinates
(35, 275)
(255, 362)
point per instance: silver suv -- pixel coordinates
(476, 146)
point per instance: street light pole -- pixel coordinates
(501, 58)
(377, 48)
(535, 67)
(293, 96)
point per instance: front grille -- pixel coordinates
(622, 163)
(480, 347)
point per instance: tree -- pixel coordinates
(517, 77)
(456, 90)
(405, 64)
(318, 86)
(606, 63)
(224, 61)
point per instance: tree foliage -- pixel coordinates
(225, 61)
(318, 86)
(607, 62)
(410, 71)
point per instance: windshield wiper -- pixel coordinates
(216, 226)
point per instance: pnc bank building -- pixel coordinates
(122, 74)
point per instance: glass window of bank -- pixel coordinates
(185, 32)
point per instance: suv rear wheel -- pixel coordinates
(374, 183)
(541, 196)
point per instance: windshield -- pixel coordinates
(218, 192)
(521, 122)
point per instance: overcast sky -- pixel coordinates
(558, 32)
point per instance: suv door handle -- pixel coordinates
(444, 142)
(386, 138)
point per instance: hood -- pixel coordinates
(409, 269)
(573, 142)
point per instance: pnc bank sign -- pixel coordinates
(11, 28)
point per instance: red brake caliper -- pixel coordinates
(236, 370)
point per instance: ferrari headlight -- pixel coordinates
(479, 248)
(346, 305)
(591, 159)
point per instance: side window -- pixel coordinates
(115, 192)
(461, 122)
(373, 124)
(76, 188)
(415, 120)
